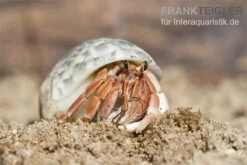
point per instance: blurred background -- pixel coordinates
(204, 67)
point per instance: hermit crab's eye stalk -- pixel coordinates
(126, 64)
(145, 65)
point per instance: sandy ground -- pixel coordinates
(180, 138)
(216, 135)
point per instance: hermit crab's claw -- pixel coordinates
(137, 102)
(138, 96)
(145, 103)
(152, 112)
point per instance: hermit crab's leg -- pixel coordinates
(125, 93)
(97, 99)
(99, 79)
(109, 102)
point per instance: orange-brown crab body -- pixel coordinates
(117, 83)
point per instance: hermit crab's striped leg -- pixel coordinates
(99, 79)
(98, 98)
(152, 111)
(109, 102)
(125, 96)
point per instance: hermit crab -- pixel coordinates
(104, 79)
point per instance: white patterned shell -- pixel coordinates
(69, 76)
